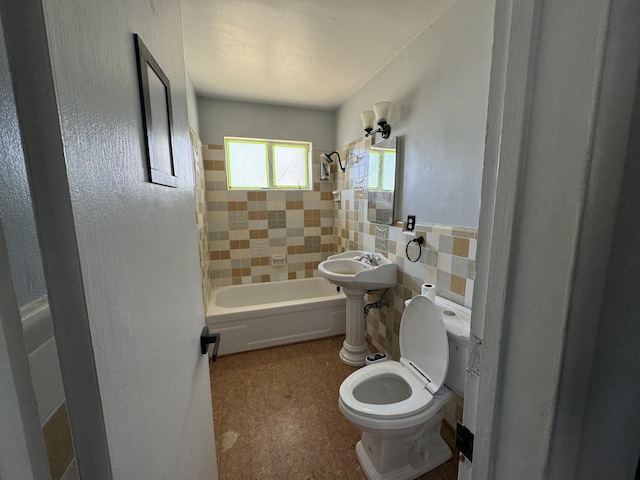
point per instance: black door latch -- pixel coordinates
(209, 342)
(464, 441)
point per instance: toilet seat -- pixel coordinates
(417, 401)
(423, 341)
(424, 350)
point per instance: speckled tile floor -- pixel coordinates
(276, 416)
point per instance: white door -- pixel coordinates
(120, 253)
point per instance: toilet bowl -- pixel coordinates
(398, 405)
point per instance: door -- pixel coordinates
(120, 253)
(31, 378)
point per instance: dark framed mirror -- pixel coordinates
(381, 181)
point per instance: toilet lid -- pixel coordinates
(423, 342)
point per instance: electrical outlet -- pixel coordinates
(411, 223)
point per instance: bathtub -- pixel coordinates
(259, 315)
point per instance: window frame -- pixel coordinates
(270, 163)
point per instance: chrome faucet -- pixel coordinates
(370, 258)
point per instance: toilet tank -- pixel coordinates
(456, 320)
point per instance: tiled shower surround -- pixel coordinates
(248, 228)
(245, 228)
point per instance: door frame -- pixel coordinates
(536, 317)
(36, 104)
(23, 454)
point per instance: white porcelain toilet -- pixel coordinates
(399, 405)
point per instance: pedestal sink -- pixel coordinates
(357, 272)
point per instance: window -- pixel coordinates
(382, 169)
(267, 164)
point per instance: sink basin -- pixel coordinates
(358, 270)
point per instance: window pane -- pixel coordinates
(389, 170)
(289, 166)
(374, 170)
(247, 164)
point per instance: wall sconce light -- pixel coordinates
(379, 114)
(326, 158)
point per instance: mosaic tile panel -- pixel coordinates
(238, 220)
(312, 244)
(259, 247)
(277, 219)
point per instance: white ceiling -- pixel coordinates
(311, 53)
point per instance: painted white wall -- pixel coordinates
(192, 105)
(220, 118)
(438, 86)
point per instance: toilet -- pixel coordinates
(398, 405)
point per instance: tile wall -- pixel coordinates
(447, 258)
(201, 213)
(247, 228)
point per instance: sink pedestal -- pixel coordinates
(357, 272)
(354, 348)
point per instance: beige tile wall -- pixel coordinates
(201, 213)
(246, 228)
(447, 258)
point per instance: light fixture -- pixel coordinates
(326, 158)
(380, 115)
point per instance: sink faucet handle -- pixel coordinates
(373, 259)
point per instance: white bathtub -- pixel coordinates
(259, 315)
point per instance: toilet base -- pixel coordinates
(397, 458)
(406, 472)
